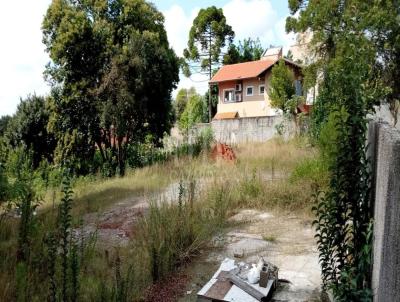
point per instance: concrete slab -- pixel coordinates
(293, 250)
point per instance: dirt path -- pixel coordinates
(285, 240)
(282, 239)
(116, 224)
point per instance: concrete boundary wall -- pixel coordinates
(250, 129)
(384, 144)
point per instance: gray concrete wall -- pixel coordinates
(385, 151)
(251, 129)
(382, 113)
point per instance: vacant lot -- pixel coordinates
(177, 220)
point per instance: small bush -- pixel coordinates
(193, 113)
(313, 170)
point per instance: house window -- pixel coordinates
(229, 95)
(299, 88)
(249, 90)
(261, 89)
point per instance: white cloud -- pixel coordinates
(177, 25)
(248, 18)
(284, 39)
(257, 19)
(22, 56)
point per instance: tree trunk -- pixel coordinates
(121, 157)
(209, 104)
(103, 155)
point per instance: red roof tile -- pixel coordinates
(242, 70)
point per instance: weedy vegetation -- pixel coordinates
(45, 257)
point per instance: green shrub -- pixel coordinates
(328, 137)
(205, 138)
(193, 113)
(146, 154)
(314, 170)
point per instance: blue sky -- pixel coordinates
(280, 6)
(22, 55)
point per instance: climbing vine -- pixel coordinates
(349, 87)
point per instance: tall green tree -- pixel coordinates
(211, 95)
(208, 36)
(193, 113)
(182, 99)
(77, 51)
(282, 89)
(28, 127)
(136, 97)
(382, 21)
(112, 72)
(246, 51)
(350, 86)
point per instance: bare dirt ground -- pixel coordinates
(116, 224)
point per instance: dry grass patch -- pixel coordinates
(276, 154)
(172, 233)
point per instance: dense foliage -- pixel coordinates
(282, 89)
(181, 100)
(193, 113)
(245, 51)
(28, 127)
(347, 63)
(4, 120)
(112, 72)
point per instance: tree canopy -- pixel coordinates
(28, 127)
(246, 51)
(282, 89)
(182, 99)
(112, 72)
(208, 36)
(193, 113)
(4, 120)
(354, 76)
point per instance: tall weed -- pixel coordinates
(170, 235)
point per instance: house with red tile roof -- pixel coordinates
(243, 89)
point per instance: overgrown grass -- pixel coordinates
(93, 194)
(168, 237)
(313, 170)
(273, 175)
